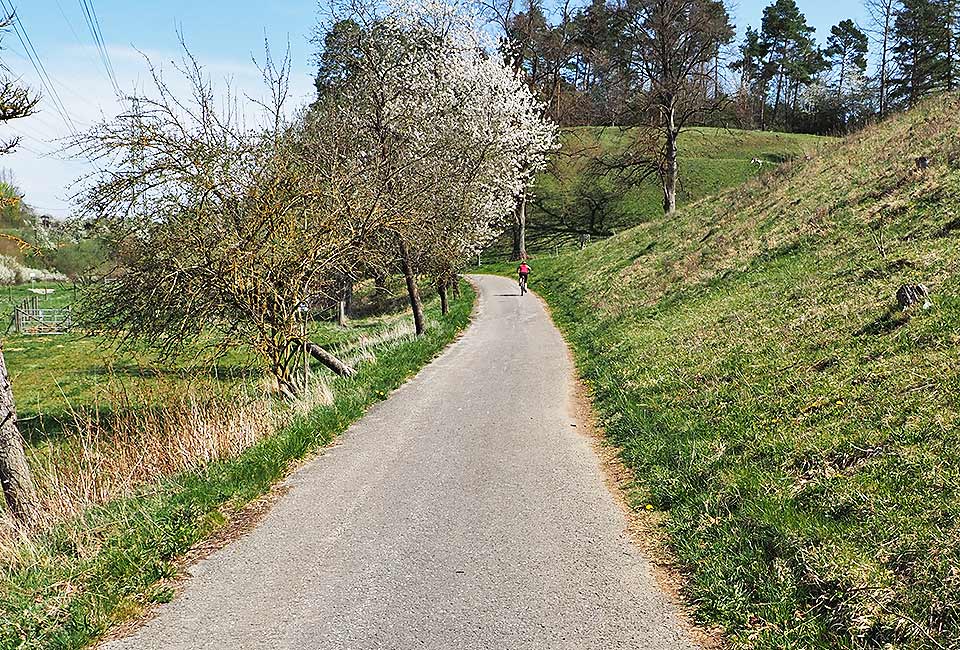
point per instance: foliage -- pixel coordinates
(217, 229)
(925, 42)
(446, 136)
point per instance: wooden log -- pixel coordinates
(330, 361)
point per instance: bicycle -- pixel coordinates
(523, 284)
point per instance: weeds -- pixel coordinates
(108, 452)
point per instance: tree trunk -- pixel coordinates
(347, 296)
(883, 78)
(776, 103)
(281, 370)
(330, 361)
(520, 228)
(343, 305)
(672, 169)
(18, 490)
(763, 112)
(843, 69)
(412, 291)
(951, 34)
(883, 67)
(442, 291)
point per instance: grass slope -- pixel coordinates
(801, 434)
(571, 198)
(67, 588)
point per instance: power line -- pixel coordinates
(69, 23)
(93, 24)
(38, 66)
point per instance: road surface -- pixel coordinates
(465, 511)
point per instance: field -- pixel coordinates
(797, 431)
(573, 198)
(137, 461)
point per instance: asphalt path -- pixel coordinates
(465, 511)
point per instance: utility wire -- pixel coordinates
(93, 24)
(69, 23)
(38, 66)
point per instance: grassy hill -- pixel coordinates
(580, 194)
(798, 431)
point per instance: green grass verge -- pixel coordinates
(799, 432)
(70, 586)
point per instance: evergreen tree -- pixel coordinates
(847, 53)
(924, 41)
(789, 40)
(951, 13)
(754, 73)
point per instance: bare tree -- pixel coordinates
(16, 101)
(882, 16)
(677, 42)
(221, 234)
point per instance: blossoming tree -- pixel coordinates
(448, 132)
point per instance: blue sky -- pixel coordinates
(223, 34)
(822, 14)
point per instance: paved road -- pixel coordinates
(463, 512)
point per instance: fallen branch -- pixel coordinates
(330, 361)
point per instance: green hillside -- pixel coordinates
(583, 192)
(800, 433)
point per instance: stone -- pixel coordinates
(910, 295)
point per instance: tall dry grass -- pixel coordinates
(136, 433)
(130, 440)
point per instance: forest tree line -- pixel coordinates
(586, 62)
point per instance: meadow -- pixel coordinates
(797, 431)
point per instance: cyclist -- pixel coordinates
(524, 272)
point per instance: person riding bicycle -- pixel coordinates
(524, 272)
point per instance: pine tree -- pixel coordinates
(951, 14)
(789, 41)
(847, 52)
(754, 77)
(924, 41)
